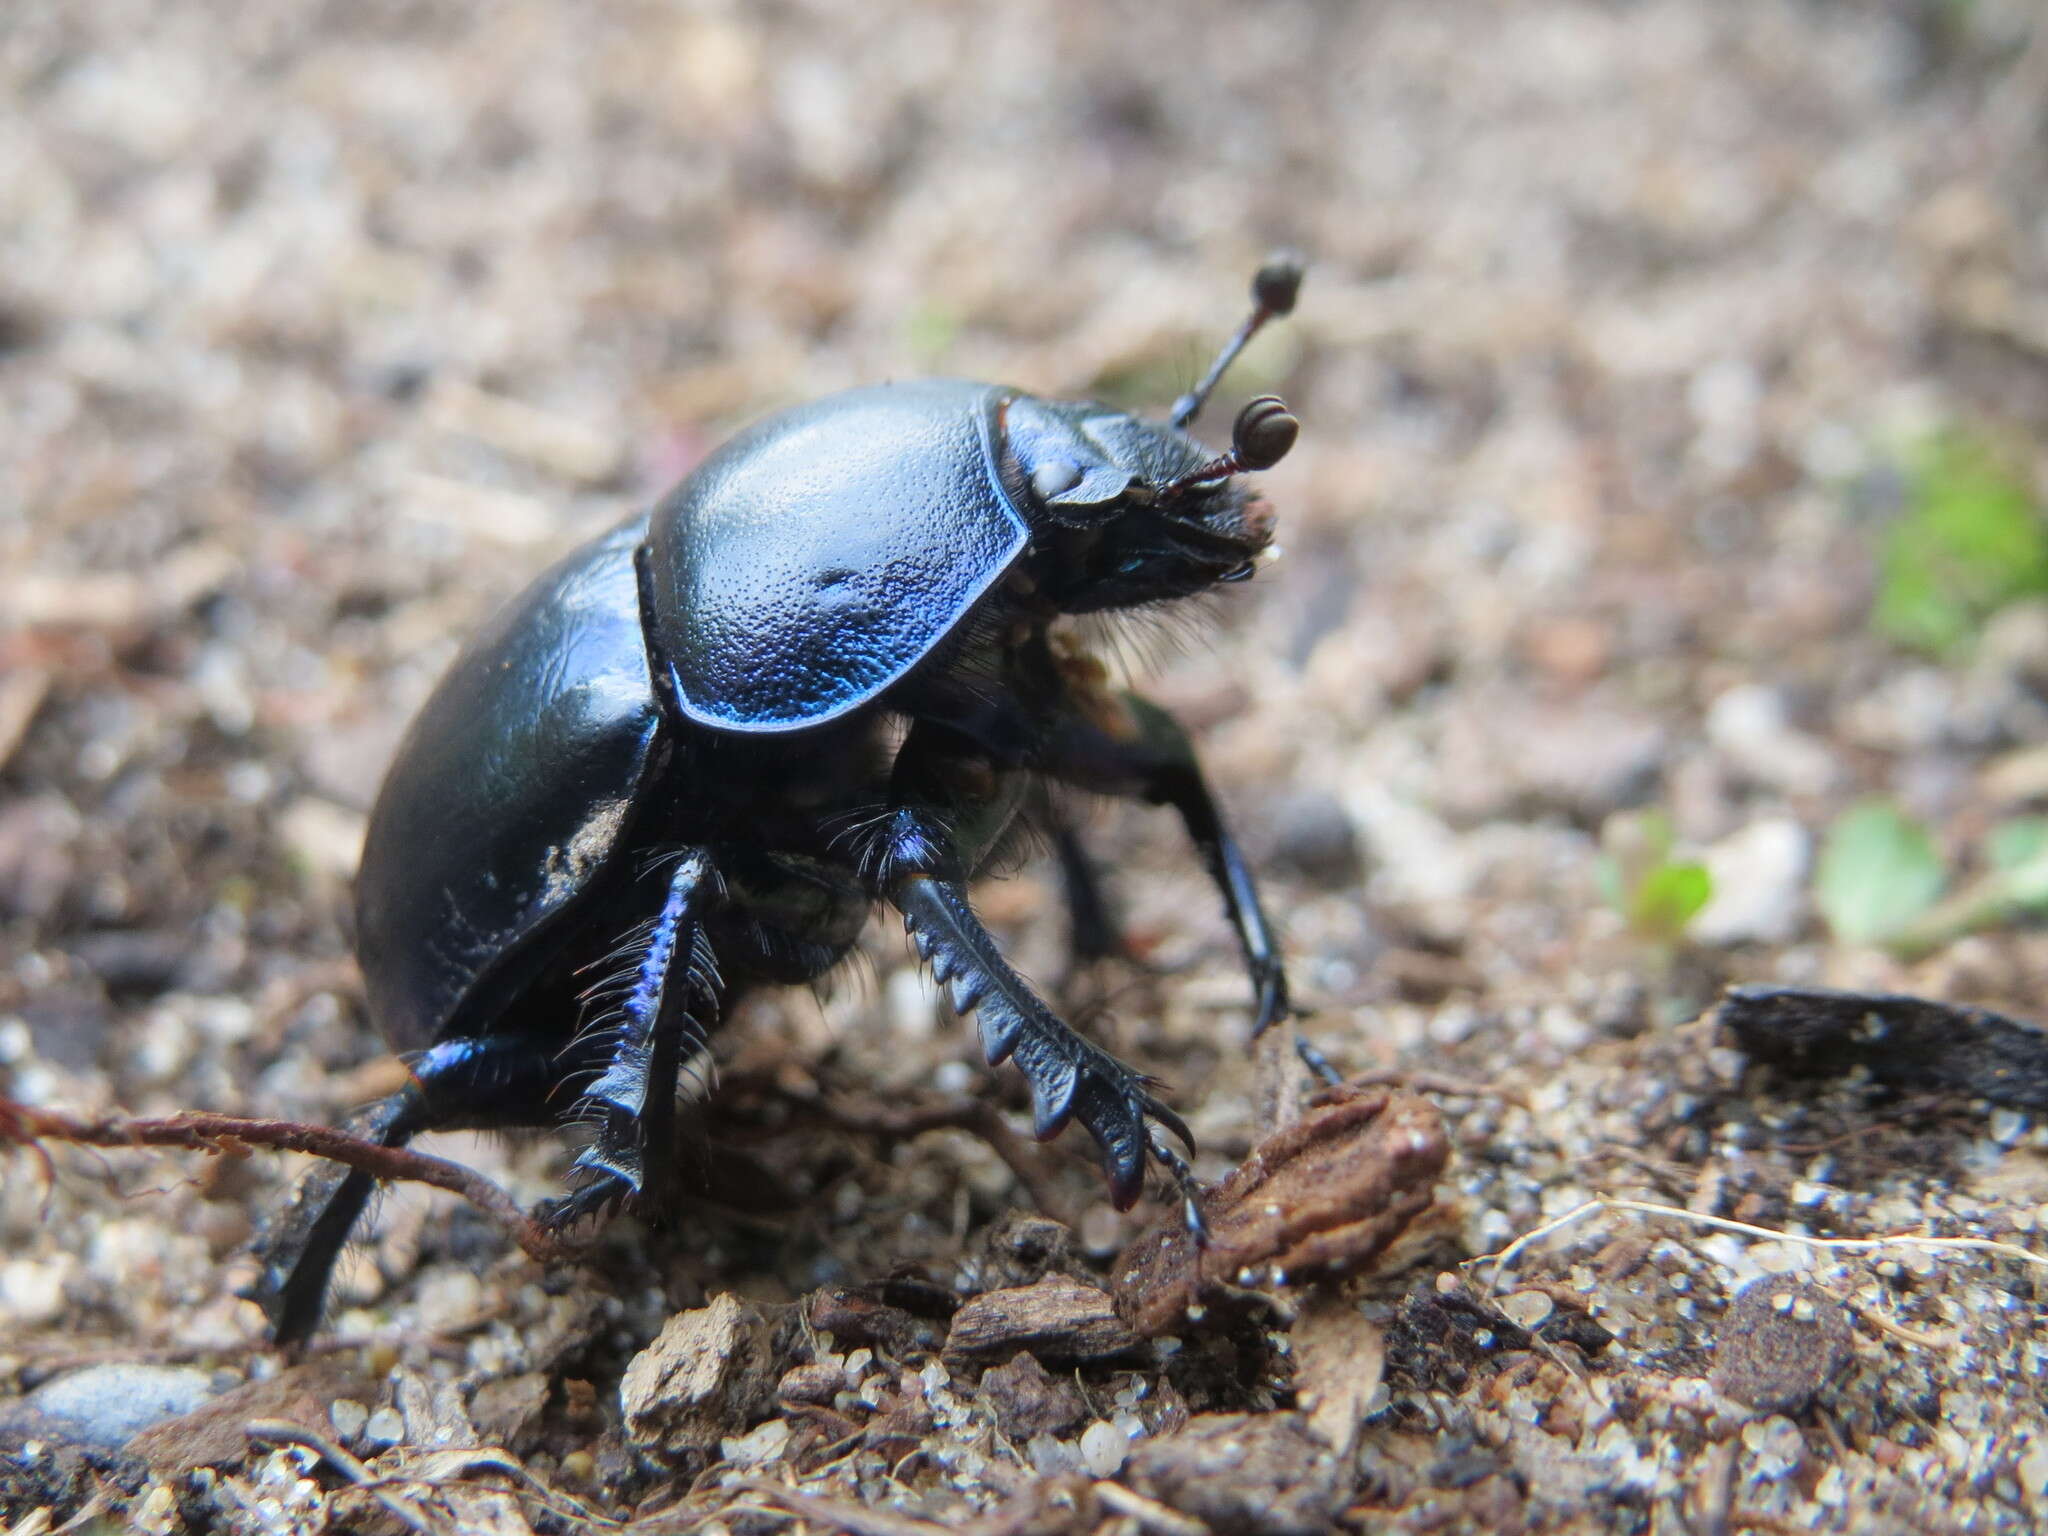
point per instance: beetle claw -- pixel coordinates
(1272, 1005)
(1158, 1111)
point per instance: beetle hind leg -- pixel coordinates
(632, 1097)
(499, 1079)
(1092, 929)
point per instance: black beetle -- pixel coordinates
(819, 673)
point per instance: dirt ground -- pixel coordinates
(323, 327)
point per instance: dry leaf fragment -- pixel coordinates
(1318, 1199)
(1339, 1357)
(1242, 1474)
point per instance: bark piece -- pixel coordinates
(1023, 1248)
(1058, 1318)
(1028, 1400)
(506, 1410)
(853, 1317)
(1902, 1041)
(1340, 1357)
(707, 1375)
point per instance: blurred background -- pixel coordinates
(1665, 598)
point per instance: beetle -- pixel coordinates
(821, 672)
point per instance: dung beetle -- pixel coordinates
(689, 758)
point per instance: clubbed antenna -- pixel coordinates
(1273, 293)
(1260, 437)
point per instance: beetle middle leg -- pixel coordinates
(633, 1097)
(1154, 760)
(1092, 928)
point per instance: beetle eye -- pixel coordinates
(1054, 476)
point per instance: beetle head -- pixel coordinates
(1126, 511)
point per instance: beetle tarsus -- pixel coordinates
(1187, 1186)
(1313, 1058)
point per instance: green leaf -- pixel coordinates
(2017, 852)
(2014, 843)
(1970, 541)
(1878, 871)
(1669, 897)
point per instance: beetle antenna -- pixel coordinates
(1260, 437)
(1273, 291)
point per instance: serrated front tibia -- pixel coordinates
(968, 990)
(1001, 1027)
(1123, 1160)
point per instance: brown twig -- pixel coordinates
(1437, 1082)
(27, 1126)
(839, 1514)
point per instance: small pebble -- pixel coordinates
(348, 1417)
(104, 1404)
(764, 1443)
(385, 1427)
(2033, 1472)
(1103, 1448)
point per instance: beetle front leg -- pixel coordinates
(1071, 1078)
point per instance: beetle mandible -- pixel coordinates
(821, 672)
